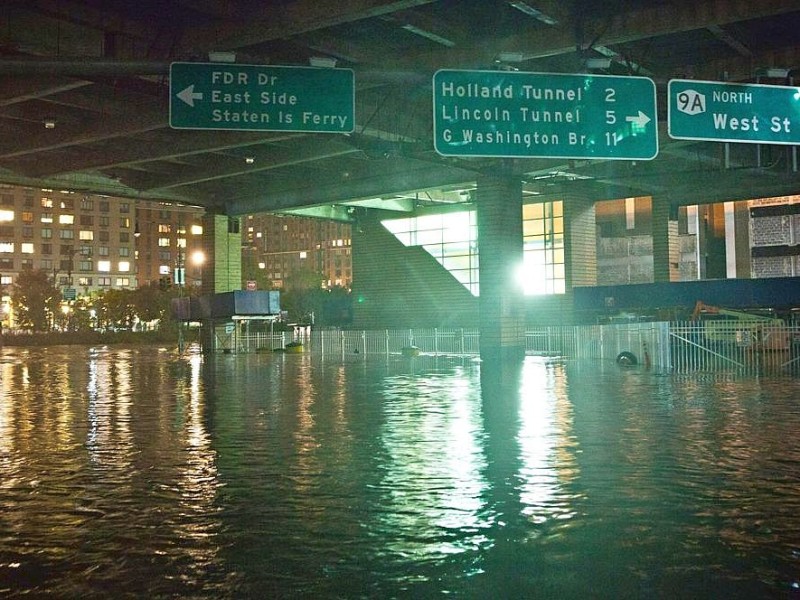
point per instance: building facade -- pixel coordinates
(169, 244)
(86, 241)
(283, 246)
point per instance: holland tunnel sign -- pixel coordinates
(261, 98)
(517, 115)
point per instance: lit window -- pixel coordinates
(197, 230)
(163, 242)
(47, 218)
(303, 255)
(163, 270)
(66, 219)
(27, 248)
(47, 203)
(123, 282)
(86, 235)
(164, 228)
(6, 215)
(104, 266)
(630, 213)
(543, 270)
(181, 243)
(124, 266)
(450, 239)
(6, 247)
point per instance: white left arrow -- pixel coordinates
(639, 120)
(189, 96)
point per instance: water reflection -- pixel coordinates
(547, 445)
(168, 475)
(433, 483)
(91, 453)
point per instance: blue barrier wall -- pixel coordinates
(779, 293)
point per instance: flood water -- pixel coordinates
(138, 472)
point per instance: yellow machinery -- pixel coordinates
(741, 328)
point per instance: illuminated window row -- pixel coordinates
(543, 248)
(451, 238)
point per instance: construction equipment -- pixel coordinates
(744, 329)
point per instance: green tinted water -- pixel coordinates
(141, 473)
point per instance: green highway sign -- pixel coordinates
(733, 112)
(517, 115)
(261, 98)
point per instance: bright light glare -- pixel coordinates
(198, 257)
(530, 277)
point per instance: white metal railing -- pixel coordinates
(725, 346)
(749, 347)
(429, 341)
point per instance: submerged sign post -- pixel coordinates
(733, 112)
(516, 114)
(261, 98)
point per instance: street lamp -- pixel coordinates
(198, 259)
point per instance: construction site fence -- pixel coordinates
(678, 347)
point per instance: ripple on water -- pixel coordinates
(161, 475)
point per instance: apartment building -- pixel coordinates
(169, 243)
(286, 245)
(85, 240)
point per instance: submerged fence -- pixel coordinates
(712, 346)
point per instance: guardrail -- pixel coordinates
(726, 346)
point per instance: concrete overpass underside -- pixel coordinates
(84, 96)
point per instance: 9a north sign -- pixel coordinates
(733, 112)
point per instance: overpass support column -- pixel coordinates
(580, 241)
(580, 251)
(222, 245)
(665, 241)
(502, 317)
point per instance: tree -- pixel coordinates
(150, 303)
(302, 296)
(36, 300)
(115, 309)
(79, 316)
